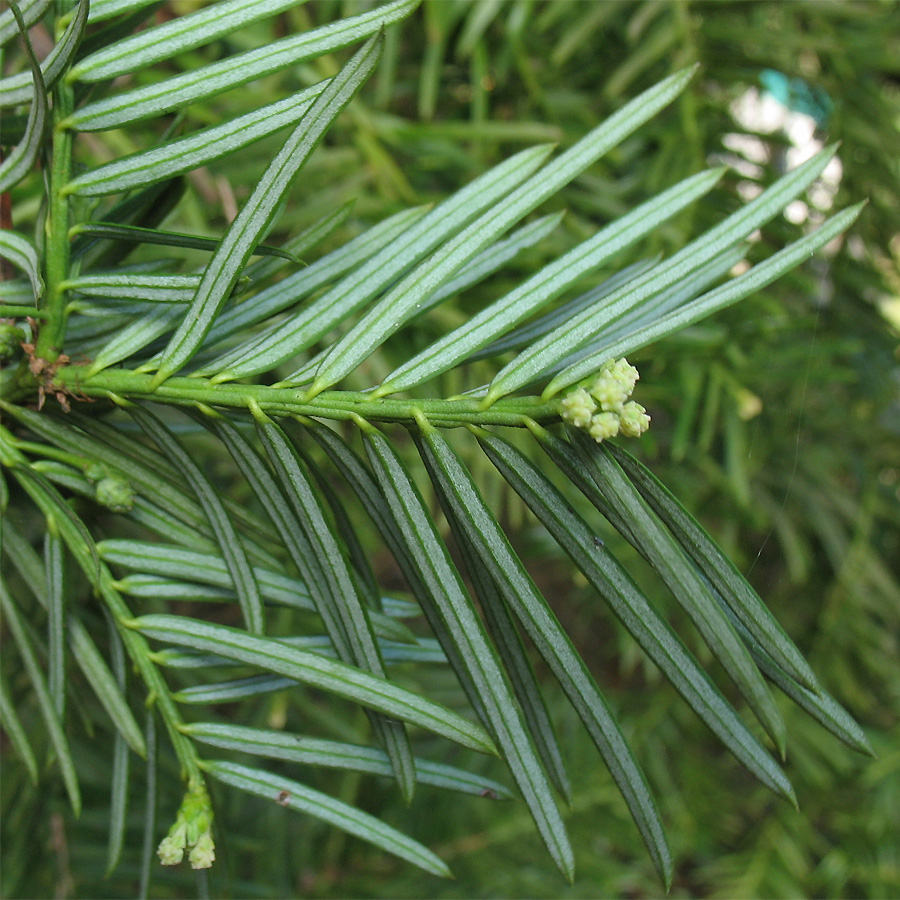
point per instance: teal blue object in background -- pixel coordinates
(798, 96)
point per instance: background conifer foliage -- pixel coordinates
(393, 484)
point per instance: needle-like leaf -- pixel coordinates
(175, 36)
(311, 593)
(649, 629)
(134, 234)
(511, 648)
(335, 754)
(118, 801)
(484, 537)
(133, 338)
(412, 521)
(187, 153)
(296, 287)
(20, 16)
(222, 526)
(592, 469)
(530, 332)
(84, 650)
(257, 214)
(22, 255)
(363, 482)
(136, 286)
(328, 675)
(54, 592)
(722, 574)
(744, 285)
(105, 686)
(402, 302)
(19, 88)
(22, 157)
(12, 725)
(335, 573)
(573, 334)
(32, 666)
(107, 9)
(297, 796)
(383, 269)
(174, 93)
(546, 285)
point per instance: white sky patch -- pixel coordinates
(760, 113)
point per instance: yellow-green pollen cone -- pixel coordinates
(191, 831)
(602, 408)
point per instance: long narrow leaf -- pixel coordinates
(535, 360)
(174, 93)
(744, 285)
(483, 265)
(12, 725)
(22, 157)
(363, 482)
(104, 684)
(494, 257)
(216, 693)
(297, 796)
(232, 548)
(300, 244)
(29, 12)
(107, 9)
(84, 651)
(197, 149)
(56, 618)
(334, 754)
(336, 677)
(23, 256)
(424, 545)
(293, 536)
(118, 803)
(175, 36)
(532, 331)
(259, 211)
(178, 562)
(148, 846)
(486, 539)
(135, 234)
(383, 269)
(151, 288)
(336, 575)
(19, 88)
(54, 506)
(600, 478)
(734, 589)
(511, 648)
(654, 635)
(296, 287)
(142, 332)
(55, 731)
(425, 650)
(546, 285)
(401, 303)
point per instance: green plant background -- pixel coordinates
(804, 495)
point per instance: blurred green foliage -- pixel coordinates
(777, 422)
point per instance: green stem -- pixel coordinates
(50, 338)
(121, 384)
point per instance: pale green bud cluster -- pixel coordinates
(191, 831)
(603, 408)
(111, 488)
